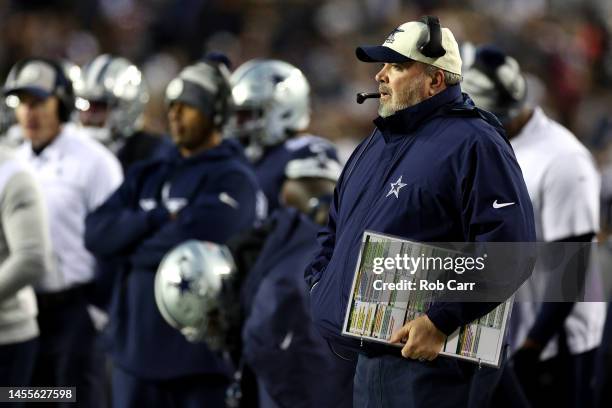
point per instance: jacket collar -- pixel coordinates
(409, 119)
(53, 151)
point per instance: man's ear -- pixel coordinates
(437, 83)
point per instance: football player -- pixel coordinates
(111, 98)
(272, 113)
(565, 200)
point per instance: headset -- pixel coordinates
(62, 88)
(433, 47)
(223, 99)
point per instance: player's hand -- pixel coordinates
(192, 335)
(423, 339)
(531, 344)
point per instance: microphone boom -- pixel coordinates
(362, 96)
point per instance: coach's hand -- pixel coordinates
(423, 339)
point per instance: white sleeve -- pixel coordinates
(570, 197)
(26, 232)
(104, 178)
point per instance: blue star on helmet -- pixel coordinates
(396, 187)
(277, 79)
(391, 38)
(184, 285)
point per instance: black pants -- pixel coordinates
(16, 364)
(564, 381)
(197, 391)
(69, 354)
(389, 382)
(603, 366)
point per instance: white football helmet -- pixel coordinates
(111, 97)
(191, 291)
(272, 100)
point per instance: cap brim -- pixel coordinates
(33, 90)
(379, 53)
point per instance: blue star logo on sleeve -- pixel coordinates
(396, 187)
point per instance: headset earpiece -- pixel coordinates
(222, 99)
(63, 90)
(433, 48)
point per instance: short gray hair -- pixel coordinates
(450, 78)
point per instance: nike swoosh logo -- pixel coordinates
(501, 205)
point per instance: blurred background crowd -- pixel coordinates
(564, 44)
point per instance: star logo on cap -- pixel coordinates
(391, 38)
(396, 187)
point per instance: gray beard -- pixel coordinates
(386, 109)
(407, 98)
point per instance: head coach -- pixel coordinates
(435, 169)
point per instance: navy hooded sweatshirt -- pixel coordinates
(428, 173)
(214, 195)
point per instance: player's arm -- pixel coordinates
(115, 227)
(490, 175)
(26, 231)
(226, 208)
(489, 172)
(327, 241)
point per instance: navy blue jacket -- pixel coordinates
(270, 168)
(216, 194)
(280, 343)
(429, 173)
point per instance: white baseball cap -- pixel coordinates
(34, 76)
(424, 41)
